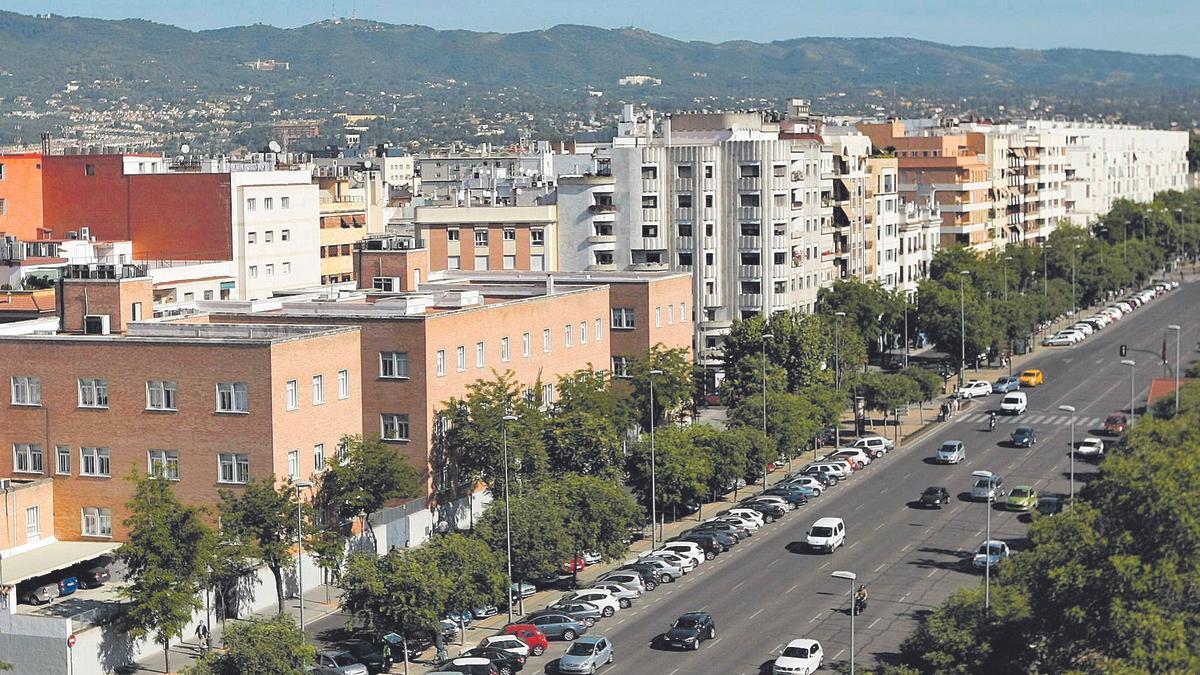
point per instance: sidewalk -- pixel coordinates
(184, 653)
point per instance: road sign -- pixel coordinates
(71, 640)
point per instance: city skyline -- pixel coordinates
(1161, 27)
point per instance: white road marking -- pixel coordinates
(977, 533)
(881, 567)
(879, 526)
(792, 588)
(853, 545)
(905, 597)
(739, 584)
(777, 647)
(834, 656)
(714, 642)
(757, 613)
(774, 561)
(874, 622)
(931, 573)
(815, 619)
(906, 547)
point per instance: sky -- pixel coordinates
(1146, 26)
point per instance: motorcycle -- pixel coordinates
(992, 423)
(860, 605)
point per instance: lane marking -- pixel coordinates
(774, 561)
(881, 567)
(873, 623)
(834, 656)
(931, 573)
(824, 566)
(739, 584)
(814, 619)
(792, 588)
(756, 613)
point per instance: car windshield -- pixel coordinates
(1115, 419)
(932, 492)
(1012, 398)
(686, 622)
(343, 659)
(949, 447)
(995, 549)
(1024, 431)
(581, 649)
(981, 483)
(822, 531)
(1019, 493)
(796, 652)
(1029, 373)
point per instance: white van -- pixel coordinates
(827, 534)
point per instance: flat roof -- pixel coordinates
(570, 278)
(53, 557)
(197, 333)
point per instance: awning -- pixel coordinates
(358, 221)
(848, 210)
(228, 285)
(51, 558)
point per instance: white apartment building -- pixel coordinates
(882, 225)
(276, 232)
(920, 232)
(851, 150)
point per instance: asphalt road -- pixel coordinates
(768, 591)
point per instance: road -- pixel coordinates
(767, 591)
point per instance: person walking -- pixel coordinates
(203, 636)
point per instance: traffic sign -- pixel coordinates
(71, 640)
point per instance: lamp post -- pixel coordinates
(987, 568)
(1007, 258)
(508, 519)
(1179, 247)
(1178, 337)
(1099, 230)
(1131, 363)
(1071, 409)
(906, 330)
(837, 377)
(300, 484)
(765, 337)
(653, 480)
(1045, 270)
(1074, 296)
(962, 328)
(849, 576)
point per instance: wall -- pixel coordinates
(650, 300)
(21, 190)
(183, 216)
(405, 265)
(13, 537)
(300, 219)
(114, 297)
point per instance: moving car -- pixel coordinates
(951, 452)
(1116, 424)
(934, 497)
(1032, 377)
(990, 554)
(586, 655)
(1090, 447)
(1048, 505)
(527, 633)
(555, 625)
(988, 489)
(1006, 384)
(690, 630)
(826, 534)
(1023, 437)
(1021, 498)
(799, 657)
(1014, 403)
(339, 663)
(974, 388)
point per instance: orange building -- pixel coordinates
(480, 238)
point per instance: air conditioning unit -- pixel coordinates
(96, 324)
(5, 483)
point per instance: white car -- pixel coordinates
(857, 454)
(748, 523)
(601, 598)
(1084, 328)
(827, 534)
(668, 571)
(974, 388)
(1014, 403)
(808, 482)
(799, 657)
(684, 563)
(1061, 340)
(743, 512)
(508, 643)
(874, 445)
(988, 489)
(623, 595)
(1090, 447)
(686, 548)
(838, 470)
(627, 580)
(771, 499)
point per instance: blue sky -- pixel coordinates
(1150, 26)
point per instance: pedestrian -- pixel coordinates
(202, 635)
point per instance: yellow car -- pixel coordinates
(1032, 378)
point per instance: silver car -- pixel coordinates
(624, 596)
(586, 655)
(339, 663)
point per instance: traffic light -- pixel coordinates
(1124, 351)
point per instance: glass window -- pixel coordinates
(93, 393)
(480, 355)
(319, 457)
(510, 234)
(670, 315)
(160, 395)
(748, 171)
(293, 394)
(622, 317)
(510, 262)
(461, 358)
(27, 457)
(454, 262)
(452, 234)
(504, 351)
(481, 262)
(547, 394)
(94, 462)
(251, 204)
(343, 384)
(569, 335)
(481, 237)
(268, 205)
(233, 397)
(63, 465)
(599, 331)
(441, 362)
(537, 237)
(233, 468)
(658, 317)
(26, 391)
(97, 522)
(547, 340)
(526, 344)
(285, 203)
(537, 263)
(164, 463)
(318, 389)
(393, 364)
(293, 464)
(394, 427)
(251, 237)
(620, 366)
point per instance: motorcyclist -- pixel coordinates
(992, 421)
(860, 599)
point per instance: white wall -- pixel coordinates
(301, 220)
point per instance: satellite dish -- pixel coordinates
(274, 146)
(357, 176)
(185, 149)
(367, 164)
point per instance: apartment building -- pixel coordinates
(485, 176)
(276, 232)
(882, 222)
(851, 150)
(919, 225)
(484, 238)
(352, 197)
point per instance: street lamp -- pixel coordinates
(1074, 296)
(987, 568)
(1102, 242)
(1045, 270)
(1007, 258)
(905, 329)
(1131, 364)
(765, 337)
(962, 328)
(1178, 337)
(1071, 409)
(300, 484)
(508, 520)
(653, 480)
(1179, 248)
(849, 576)
(837, 377)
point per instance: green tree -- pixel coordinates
(539, 542)
(672, 389)
(876, 310)
(473, 571)
(363, 478)
(393, 592)
(599, 513)
(474, 426)
(960, 637)
(275, 645)
(166, 555)
(264, 517)
(885, 392)
(681, 472)
(728, 453)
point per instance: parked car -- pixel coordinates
(807, 489)
(1090, 447)
(795, 498)
(799, 657)
(67, 585)
(586, 655)
(468, 665)
(506, 663)
(988, 489)
(583, 612)
(990, 554)
(624, 596)
(822, 474)
(1116, 424)
(573, 566)
(1014, 403)
(556, 625)
(687, 548)
(92, 576)
(522, 590)
(875, 446)
(934, 497)
(1006, 384)
(627, 579)
(723, 526)
(37, 594)
(592, 557)
(529, 634)
(690, 630)
(509, 643)
(1023, 437)
(1060, 340)
(855, 454)
(1021, 498)
(744, 512)
(684, 564)
(370, 655)
(826, 534)
(713, 543)
(771, 510)
(600, 598)
(1032, 377)
(484, 611)
(839, 470)
(973, 389)
(339, 663)
(951, 452)
(742, 522)
(811, 482)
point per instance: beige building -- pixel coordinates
(481, 238)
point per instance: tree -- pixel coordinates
(539, 542)
(473, 571)
(672, 389)
(599, 513)
(682, 473)
(363, 478)
(885, 392)
(728, 453)
(264, 517)
(877, 311)
(583, 443)
(596, 392)
(166, 556)
(929, 385)
(275, 645)
(792, 421)
(960, 637)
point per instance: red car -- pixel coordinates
(1116, 424)
(530, 635)
(573, 566)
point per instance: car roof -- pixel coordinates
(1023, 487)
(1020, 429)
(802, 642)
(827, 522)
(471, 661)
(589, 639)
(695, 615)
(934, 487)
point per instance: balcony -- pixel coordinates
(602, 239)
(749, 271)
(685, 214)
(602, 208)
(748, 213)
(749, 243)
(649, 215)
(684, 184)
(649, 185)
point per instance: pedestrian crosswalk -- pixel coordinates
(1031, 419)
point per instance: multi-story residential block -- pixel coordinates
(882, 223)
(485, 176)
(851, 150)
(489, 237)
(352, 202)
(920, 226)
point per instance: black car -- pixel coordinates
(370, 655)
(645, 571)
(770, 511)
(722, 526)
(93, 576)
(506, 662)
(712, 543)
(934, 497)
(1023, 437)
(690, 630)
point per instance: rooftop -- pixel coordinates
(196, 333)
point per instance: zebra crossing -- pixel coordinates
(1030, 419)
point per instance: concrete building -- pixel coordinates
(851, 150)
(882, 225)
(353, 198)
(919, 225)
(485, 176)
(489, 237)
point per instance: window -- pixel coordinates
(599, 334)
(385, 284)
(684, 229)
(393, 364)
(285, 203)
(137, 307)
(233, 397)
(547, 394)
(293, 394)
(343, 384)
(33, 523)
(27, 457)
(510, 234)
(750, 258)
(481, 237)
(779, 171)
(160, 395)
(481, 262)
(685, 259)
(622, 317)
(293, 464)
(620, 366)
(63, 464)
(480, 355)
(460, 355)
(453, 262)
(270, 269)
(93, 393)
(452, 234)
(684, 171)
(269, 236)
(751, 287)
(751, 230)
(94, 462)
(233, 468)
(318, 388)
(684, 201)
(748, 199)
(547, 340)
(269, 204)
(537, 263)
(1, 172)
(649, 172)
(26, 391)
(748, 171)
(670, 315)
(658, 317)
(504, 350)
(569, 335)
(287, 268)
(649, 202)
(285, 235)
(97, 522)
(441, 362)
(650, 231)
(510, 262)
(319, 457)
(164, 464)
(89, 169)
(251, 204)
(537, 237)
(526, 345)
(583, 332)
(3, 206)
(394, 427)
(708, 200)
(253, 271)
